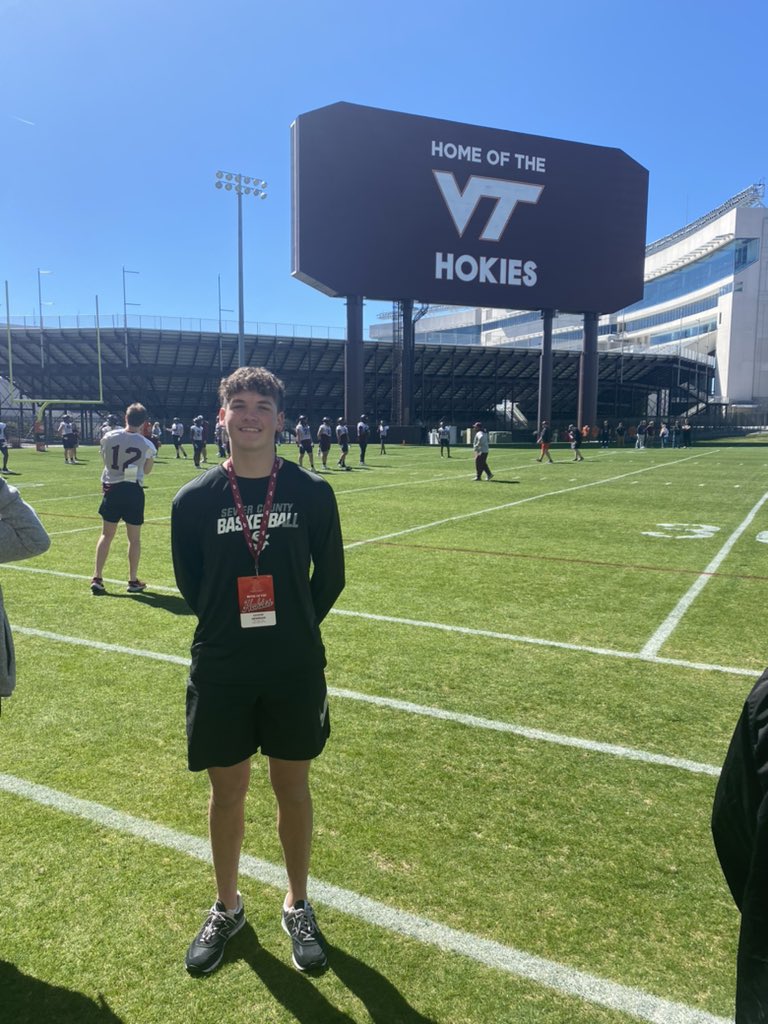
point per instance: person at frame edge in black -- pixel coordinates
(740, 832)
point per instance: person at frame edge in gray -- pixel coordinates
(740, 832)
(22, 535)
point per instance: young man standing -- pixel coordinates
(128, 457)
(342, 437)
(481, 448)
(68, 438)
(363, 435)
(444, 437)
(244, 537)
(545, 440)
(196, 432)
(304, 441)
(177, 433)
(4, 446)
(324, 437)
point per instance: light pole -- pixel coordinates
(125, 313)
(40, 310)
(241, 185)
(222, 309)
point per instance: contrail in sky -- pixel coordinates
(23, 120)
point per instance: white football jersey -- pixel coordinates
(122, 451)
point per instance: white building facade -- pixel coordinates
(705, 297)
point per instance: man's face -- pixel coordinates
(251, 420)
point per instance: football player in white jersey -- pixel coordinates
(68, 438)
(324, 436)
(304, 441)
(197, 433)
(128, 457)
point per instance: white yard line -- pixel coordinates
(605, 652)
(97, 526)
(96, 492)
(520, 501)
(665, 630)
(472, 721)
(552, 975)
(15, 567)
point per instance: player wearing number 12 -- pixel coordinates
(128, 457)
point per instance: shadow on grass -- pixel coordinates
(27, 1000)
(167, 602)
(384, 1003)
(306, 1004)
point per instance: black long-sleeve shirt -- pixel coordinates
(740, 830)
(210, 553)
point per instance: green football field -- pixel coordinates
(534, 681)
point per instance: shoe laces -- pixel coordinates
(301, 921)
(216, 921)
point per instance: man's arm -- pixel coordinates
(327, 550)
(149, 461)
(187, 562)
(22, 535)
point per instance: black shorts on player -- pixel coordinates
(123, 501)
(227, 724)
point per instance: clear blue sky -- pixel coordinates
(116, 114)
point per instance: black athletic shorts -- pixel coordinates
(228, 724)
(123, 501)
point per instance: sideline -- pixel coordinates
(672, 621)
(523, 501)
(473, 721)
(549, 973)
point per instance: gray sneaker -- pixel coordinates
(307, 939)
(207, 948)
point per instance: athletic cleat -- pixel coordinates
(136, 586)
(97, 585)
(307, 939)
(206, 950)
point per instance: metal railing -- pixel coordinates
(145, 322)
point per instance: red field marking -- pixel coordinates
(573, 561)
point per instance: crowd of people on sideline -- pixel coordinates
(673, 434)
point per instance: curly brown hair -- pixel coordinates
(252, 378)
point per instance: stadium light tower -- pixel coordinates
(222, 309)
(126, 304)
(241, 185)
(40, 310)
